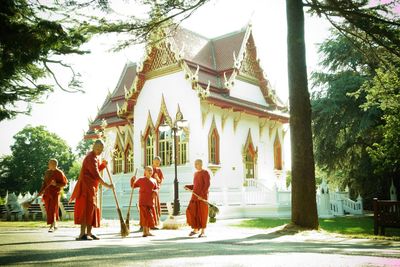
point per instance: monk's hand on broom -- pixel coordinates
(104, 162)
(110, 186)
(106, 185)
(133, 179)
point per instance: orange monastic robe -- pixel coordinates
(85, 192)
(51, 193)
(146, 203)
(160, 175)
(197, 211)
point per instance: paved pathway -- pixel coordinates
(224, 246)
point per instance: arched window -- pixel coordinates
(250, 161)
(118, 159)
(277, 153)
(149, 149)
(213, 146)
(165, 145)
(128, 159)
(183, 148)
(249, 158)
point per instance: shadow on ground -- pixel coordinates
(182, 247)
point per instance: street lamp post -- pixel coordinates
(177, 204)
(176, 129)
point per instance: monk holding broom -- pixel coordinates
(87, 211)
(147, 193)
(197, 211)
(158, 175)
(54, 181)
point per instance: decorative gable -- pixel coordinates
(160, 57)
(250, 66)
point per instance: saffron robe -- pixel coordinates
(86, 209)
(157, 172)
(197, 210)
(51, 193)
(148, 216)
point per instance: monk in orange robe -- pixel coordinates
(147, 192)
(158, 175)
(87, 212)
(53, 183)
(197, 211)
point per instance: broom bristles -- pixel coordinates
(127, 220)
(214, 208)
(124, 228)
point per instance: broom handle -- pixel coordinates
(130, 201)
(31, 201)
(113, 189)
(198, 196)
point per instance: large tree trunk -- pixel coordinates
(304, 207)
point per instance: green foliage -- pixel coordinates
(377, 25)
(263, 223)
(352, 226)
(33, 147)
(84, 146)
(343, 131)
(74, 171)
(32, 37)
(161, 15)
(383, 92)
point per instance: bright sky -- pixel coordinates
(67, 114)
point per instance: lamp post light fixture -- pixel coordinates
(177, 129)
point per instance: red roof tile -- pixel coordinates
(108, 110)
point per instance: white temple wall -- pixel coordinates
(176, 91)
(229, 178)
(247, 91)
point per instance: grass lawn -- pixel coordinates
(352, 226)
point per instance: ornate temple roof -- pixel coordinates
(211, 65)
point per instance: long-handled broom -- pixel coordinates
(28, 203)
(128, 215)
(124, 228)
(211, 206)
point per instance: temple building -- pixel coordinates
(215, 94)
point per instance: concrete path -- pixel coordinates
(224, 245)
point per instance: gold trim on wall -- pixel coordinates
(163, 71)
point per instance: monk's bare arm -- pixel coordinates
(101, 181)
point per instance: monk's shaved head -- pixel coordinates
(198, 164)
(157, 161)
(98, 147)
(53, 163)
(148, 171)
(98, 142)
